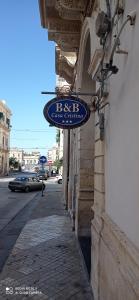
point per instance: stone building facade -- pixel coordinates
(101, 158)
(5, 115)
(18, 154)
(31, 159)
(52, 154)
(25, 159)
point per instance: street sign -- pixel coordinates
(66, 112)
(42, 159)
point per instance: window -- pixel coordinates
(1, 116)
(8, 122)
(30, 179)
(21, 179)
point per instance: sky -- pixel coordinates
(27, 67)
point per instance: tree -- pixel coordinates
(13, 163)
(58, 163)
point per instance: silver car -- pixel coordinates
(26, 184)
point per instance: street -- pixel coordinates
(11, 203)
(15, 211)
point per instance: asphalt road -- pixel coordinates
(15, 210)
(11, 203)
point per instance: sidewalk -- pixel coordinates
(46, 262)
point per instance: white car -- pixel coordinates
(59, 179)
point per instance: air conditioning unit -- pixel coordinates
(102, 24)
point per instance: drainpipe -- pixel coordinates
(68, 165)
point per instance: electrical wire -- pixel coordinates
(30, 130)
(117, 38)
(36, 148)
(108, 9)
(115, 11)
(23, 139)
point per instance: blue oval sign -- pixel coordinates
(66, 112)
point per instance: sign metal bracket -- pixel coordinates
(70, 93)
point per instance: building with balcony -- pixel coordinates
(101, 158)
(18, 154)
(52, 154)
(27, 160)
(5, 115)
(30, 159)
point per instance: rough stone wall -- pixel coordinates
(115, 258)
(119, 264)
(86, 179)
(98, 208)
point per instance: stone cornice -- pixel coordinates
(42, 8)
(73, 4)
(64, 31)
(63, 67)
(63, 26)
(63, 19)
(71, 10)
(68, 43)
(64, 16)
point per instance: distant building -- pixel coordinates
(52, 154)
(17, 154)
(26, 159)
(61, 144)
(5, 115)
(31, 159)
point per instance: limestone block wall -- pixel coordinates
(85, 186)
(121, 138)
(119, 264)
(115, 239)
(97, 208)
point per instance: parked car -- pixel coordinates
(26, 184)
(42, 175)
(59, 179)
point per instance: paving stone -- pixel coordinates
(46, 258)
